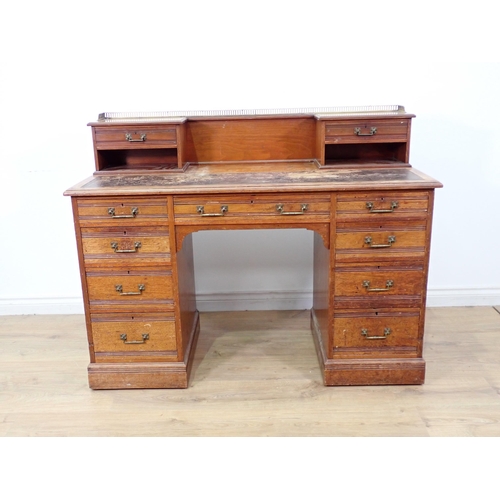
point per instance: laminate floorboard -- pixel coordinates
(255, 374)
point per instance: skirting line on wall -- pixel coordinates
(52, 305)
(252, 301)
(283, 300)
(453, 297)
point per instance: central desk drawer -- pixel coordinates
(274, 208)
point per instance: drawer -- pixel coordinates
(131, 246)
(382, 205)
(380, 240)
(135, 137)
(129, 286)
(366, 130)
(245, 209)
(122, 338)
(121, 211)
(378, 283)
(377, 333)
(355, 243)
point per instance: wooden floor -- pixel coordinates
(255, 374)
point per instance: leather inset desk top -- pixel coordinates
(242, 177)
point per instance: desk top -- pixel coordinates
(254, 177)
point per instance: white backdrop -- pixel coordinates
(62, 63)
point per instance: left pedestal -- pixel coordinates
(141, 316)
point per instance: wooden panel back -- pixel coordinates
(250, 140)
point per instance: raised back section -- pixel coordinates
(335, 137)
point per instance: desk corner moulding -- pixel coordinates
(343, 173)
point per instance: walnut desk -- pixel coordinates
(343, 173)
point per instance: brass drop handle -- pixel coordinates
(128, 137)
(388, 284)
(369, 206)
(119, 289)
(357, 131)
(223, 211)
(364, 332)
(145, 336)
(390, 241)
(133, 212)
(280, 209)
(114, 246)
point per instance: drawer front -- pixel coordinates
(378, 284)
(121, 337)
(359, 243)
(131, 286)
(121, 211)
(263, 208)
(352, 131)
(135, 137)
(128, 245)
(381, 206)
(376, 330)
(377, 240)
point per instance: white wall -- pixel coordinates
(62, 63)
